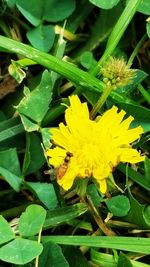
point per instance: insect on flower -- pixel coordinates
(63, 167)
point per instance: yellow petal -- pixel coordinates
(130, 155)
(56, 155)
(67, 180)
(103, 186)
(59, 138)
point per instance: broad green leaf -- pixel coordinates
(45, 132)
(31, 10)
(45, 192)
(136, 214)
(87, 60)
(31, 221)
(9, 160)
(13, 180)
(135, 244)
(105, 4)
(34, 156)
(123, 261)
(118, 205)
(52, 256)
(29, 126)
(6, 232)
(148, 28)
(139, 77)
(75, 257)
(35, 104)
(144, 7)
(42, 37)
(64, 214)
(36, 11)
(107, 260)
(20, 251)
(10, 168)
(58, 10)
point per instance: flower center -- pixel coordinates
(89, 156)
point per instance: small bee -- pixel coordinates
(63, 167)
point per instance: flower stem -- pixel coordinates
(39, 240)
(101, 101)
(145, 93)
(136, 49)
(81, 188)
(107, 231)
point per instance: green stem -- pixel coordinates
(136, 49)
(118, 32)
(66, 69)
(82, 187)
(97, 217)
(145, 94)
(101, 101)
(39, 241)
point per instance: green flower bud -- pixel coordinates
(117, 73)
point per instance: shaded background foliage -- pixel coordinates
(31, 93)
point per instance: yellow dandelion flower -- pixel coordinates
(86, 148)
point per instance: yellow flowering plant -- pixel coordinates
(75, 52)
(92, 148)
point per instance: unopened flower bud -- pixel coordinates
(117, 73)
